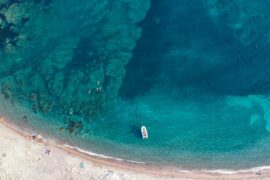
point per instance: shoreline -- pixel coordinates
(101, 155)
(141, 168)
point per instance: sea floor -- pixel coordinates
(196, 74)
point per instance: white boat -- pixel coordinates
(144, 132)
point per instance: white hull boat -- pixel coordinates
(144, 132)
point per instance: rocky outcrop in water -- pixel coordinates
(67, 56)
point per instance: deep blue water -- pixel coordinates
(196, 74)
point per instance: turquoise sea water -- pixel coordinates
(196, 74)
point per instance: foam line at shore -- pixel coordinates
(254, 169)
(219, 171)
(101, 155)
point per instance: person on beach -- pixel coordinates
(47, 151)
(33, 137)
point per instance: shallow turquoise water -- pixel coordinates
(196, 74)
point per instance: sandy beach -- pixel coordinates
(23, 156)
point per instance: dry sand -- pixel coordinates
(25, 158)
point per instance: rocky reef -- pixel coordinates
(247, 19)
(65, 56)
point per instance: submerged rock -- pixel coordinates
(74, 127)
(62, 52)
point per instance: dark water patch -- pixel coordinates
(85, 55)
(7, 34)
(242, 75)
(135, 129)
(183, 47)
(169, 26)
(44, 2)
(144, 67)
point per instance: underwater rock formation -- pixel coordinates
(66, 56)
(246, 18)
